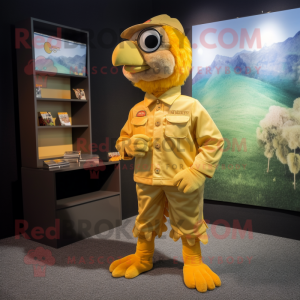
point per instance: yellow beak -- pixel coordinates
(127, 54)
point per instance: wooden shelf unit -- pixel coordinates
(57, 96)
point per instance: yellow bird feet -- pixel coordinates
(130, 266)
(196, 274)
(200, 277)
(133, 265)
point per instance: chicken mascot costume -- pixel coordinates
(175, 143)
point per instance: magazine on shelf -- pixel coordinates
(79, 93)
(45, 119)
(64, 119)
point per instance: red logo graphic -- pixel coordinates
(141, 113)
(45, 64)
(147, 21)
(29, 68)
(39, 258)
(40, 64)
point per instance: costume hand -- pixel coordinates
(137, 145)
(188, 180)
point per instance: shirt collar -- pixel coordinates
(168, 97)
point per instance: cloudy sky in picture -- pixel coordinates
(227, 38)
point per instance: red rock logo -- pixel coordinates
(94, 166)
(39, 258)
(141, 113)
(147, 21)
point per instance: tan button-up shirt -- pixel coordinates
(182, 135)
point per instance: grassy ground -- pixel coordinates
(237, 104)
(61, 68)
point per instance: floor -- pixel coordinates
(250, 267)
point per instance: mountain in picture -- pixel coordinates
(62, 64)
(75, 64)
(278, 64)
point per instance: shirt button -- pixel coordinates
(158, 108)
(157, 171)
(157, 101)
(157, 146)
(157, 123)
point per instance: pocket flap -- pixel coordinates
(139, 121)
(177, 119)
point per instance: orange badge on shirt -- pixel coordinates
(141, 113)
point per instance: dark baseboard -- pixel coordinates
(277, 222)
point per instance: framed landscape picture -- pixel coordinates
(57, 55)
(246, 74)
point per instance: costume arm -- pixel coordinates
(125, 135)
(209, 140)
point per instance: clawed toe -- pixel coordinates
(129, 267)
(200, 277)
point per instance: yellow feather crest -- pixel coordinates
(182, 52)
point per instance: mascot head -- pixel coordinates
(156, 56)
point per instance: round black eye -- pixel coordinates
(149, 40)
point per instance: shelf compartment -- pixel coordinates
(54, 143)
(85, 198)
(86, 179)
(54, 108)
(82, 221)
(54, 87)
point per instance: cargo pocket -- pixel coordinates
(177, 126)
(139, 125)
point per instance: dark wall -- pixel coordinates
(193, 12)
(112, 95)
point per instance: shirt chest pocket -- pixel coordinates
(139, 125)
(177, 126)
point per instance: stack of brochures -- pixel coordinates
(72, 156)
(56, 163)
(89, 158)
